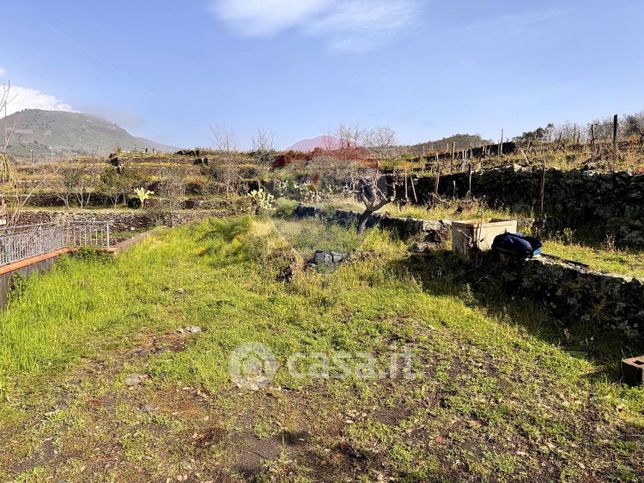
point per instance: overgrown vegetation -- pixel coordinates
(502, 392)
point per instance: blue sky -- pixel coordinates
(168, 69)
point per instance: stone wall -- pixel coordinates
(571, 291)
(433, 231)
(575, 293)
(102, 201)
(119, 220)
(593, 203)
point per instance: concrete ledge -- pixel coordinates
(124, 245)
(33, 261)
(44, 262)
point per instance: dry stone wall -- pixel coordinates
(570, 290)
(597, 204)
(119, 220)
(433, 231)
(575, 293)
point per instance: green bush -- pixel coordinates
(91, 255)
(285, 208)
(229, 229)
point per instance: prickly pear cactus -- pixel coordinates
(6, 168)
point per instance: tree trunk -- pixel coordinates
(362, 221)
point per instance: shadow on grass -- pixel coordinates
(441, 273)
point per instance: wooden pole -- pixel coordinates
(500, 153)
(406, 189)
(469, 182)
(542, 199)
(451, 163)
(413, 189)
(615, 124)
(592, 139)
(438, 176)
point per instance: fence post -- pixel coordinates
(41, 244)
(500, 150)
(107, 231)
(615, 123)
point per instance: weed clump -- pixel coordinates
(88, 254)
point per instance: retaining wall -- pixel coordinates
(572, 291)
(120, 220)
(433, 231)
(575, 293)
(5, 278)
(598, 203)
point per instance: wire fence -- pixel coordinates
(18, 243)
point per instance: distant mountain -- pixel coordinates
(462, 141)
(323, 142)
(66, 134)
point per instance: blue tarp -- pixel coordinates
(517, 244)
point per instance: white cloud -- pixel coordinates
(3, 72)
(264, 17)
(362, 25)
(346, 25)
(24, 98)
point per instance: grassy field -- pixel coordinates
(622, 262)
(104, 375)
(607, 259)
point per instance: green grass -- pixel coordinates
(622, 262)
(607, 259)
(450, 210)
(500, 390)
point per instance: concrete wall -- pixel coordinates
(5, 279)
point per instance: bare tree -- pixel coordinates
(263, 147)
(330, 142)
(223, 139)
(263, 141)
(381, 141)
(226, 170)
(372, 190)
(348, 137)
(634, 126)
(67, 183)
(13, 197)
(86, 185)
(76, 182)
(173, 187)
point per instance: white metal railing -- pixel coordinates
(19, 243)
